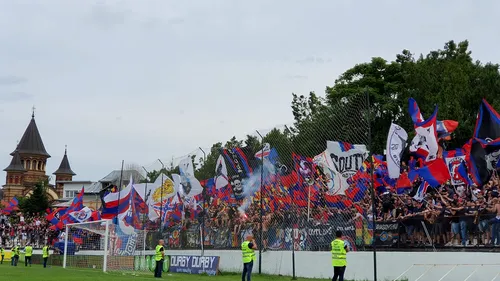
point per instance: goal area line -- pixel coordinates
(430, 266)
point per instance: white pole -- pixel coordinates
(65, 246)
(309, 203)
(106, 238)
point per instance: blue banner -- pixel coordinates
(194, 264)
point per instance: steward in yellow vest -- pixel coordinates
(28, 252)
(248, 248)
(339, 255)
(2, 254)
(159, 257)
(45, 255)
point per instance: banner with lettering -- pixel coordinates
(386, 233)
(194, 264)
(344, 160)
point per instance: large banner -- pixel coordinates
(453, 163)
(344, 161)
(194, 264)
(386, 233)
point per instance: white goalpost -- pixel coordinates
(102, 245)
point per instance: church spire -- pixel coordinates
(65, 168)
(31, 141)
(15, 165)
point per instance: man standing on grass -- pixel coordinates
(339, 254)
(159, 257)
(45, 255)
(2, 254)
(15, 255)
(28, 252)
(248, 248)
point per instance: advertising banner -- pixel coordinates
(194, 264)
(386, 233)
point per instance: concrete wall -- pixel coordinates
(360, 264)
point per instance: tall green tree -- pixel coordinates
(449, 78)
(38, 202)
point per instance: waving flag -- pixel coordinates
(240, 162)
(221, 178)
(435, 173)
(13, 203)
(190, 186)
(396, 143)
(487, 124)
(443, 128)
(304, 166)
(421, 191)
(116, 203)
(425, 142)
(157, 194)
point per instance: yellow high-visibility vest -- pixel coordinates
(338, 253)
(248, 253)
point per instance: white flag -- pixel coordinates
(190, 186)
(82, 215)
(221, 178)
(396, 143)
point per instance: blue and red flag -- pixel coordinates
(13, 204)
(435, 173)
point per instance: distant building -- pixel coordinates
(27, 167)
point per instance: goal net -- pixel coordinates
(103, 245)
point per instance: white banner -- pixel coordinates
(344, 160)
(453, 163)
(396, 143)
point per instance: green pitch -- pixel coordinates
(38, 273)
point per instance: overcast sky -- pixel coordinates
(140, 80)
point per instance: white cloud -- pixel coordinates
(141, 80)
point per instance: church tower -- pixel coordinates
(27, 167)
(63, 174)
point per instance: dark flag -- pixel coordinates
(485, 145)
(240, 162)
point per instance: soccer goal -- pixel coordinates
(103, 245)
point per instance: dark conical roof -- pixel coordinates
(64, 168)
(15, 164)
(31, 142)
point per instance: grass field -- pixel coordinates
(38, 273)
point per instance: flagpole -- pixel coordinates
(161, 191)
(261, 205)
(309, 202)
(204, 194)
(372, 188)
(120, 189)
(145, 197)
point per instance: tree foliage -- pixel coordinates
(38, 202)
(448, 77)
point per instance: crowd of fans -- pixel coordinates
(18, 229)
(446, 216)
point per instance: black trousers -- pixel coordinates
(338, 273)
(45, 262)
(247, 271)
(1, 262)
(159, 268)
(27, 260)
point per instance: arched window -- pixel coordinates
(28, 165)
(39, 167)
(23, 163)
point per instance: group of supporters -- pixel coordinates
(448, 215)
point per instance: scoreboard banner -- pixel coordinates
(194, 264)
